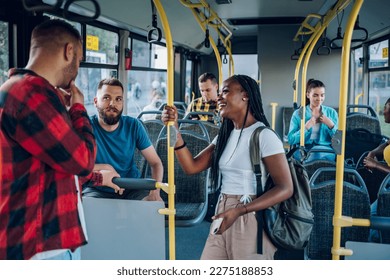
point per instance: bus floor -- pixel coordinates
(190, 242)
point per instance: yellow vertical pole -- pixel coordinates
(273, 105)
(313, 42)
(344, 72)
(357, 101)
(171, 131)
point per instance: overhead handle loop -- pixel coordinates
(72, 17)
(31, 7)
(154, 33)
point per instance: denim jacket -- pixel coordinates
(325, 133)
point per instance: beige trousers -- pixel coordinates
(239, 242)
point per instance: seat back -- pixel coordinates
(191, 190)
(212, 129)
(287, 114)
(365, 117)
(139, 159)
(314, 165)
(153, 127)
(355, 204)
(384, 205)
(372, 178)
(123, 230)
(359, 141)
(197, 127)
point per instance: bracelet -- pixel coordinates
(180, 147)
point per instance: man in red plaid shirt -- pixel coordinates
(44, 146)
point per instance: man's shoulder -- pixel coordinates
(129, 119)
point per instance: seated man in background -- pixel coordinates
(208, 86)
(157, 100)
(117, 138)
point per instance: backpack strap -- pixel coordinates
(254, 152)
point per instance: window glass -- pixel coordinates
(101, 45)
(141, 57)
(4, 51)
(87, 81)
(379, 55)
(158, 57)
(188, 96)
(357, 75)
(144, 88)
(379, 88)
(243, 64)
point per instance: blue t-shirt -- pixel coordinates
(117, 147)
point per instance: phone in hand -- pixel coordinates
(215, 226)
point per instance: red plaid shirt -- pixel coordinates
(42, 147)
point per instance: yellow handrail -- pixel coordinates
(345, 59)
(273, 105)
(357, 101)
(170, 128)
(213, 21)
(307, 51)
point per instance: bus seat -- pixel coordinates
(211, 128)
(328, 173)
(123, 229)
(140, 160)
(384, 206)
(355, 204)
(367, 119)
(191, 190)
(358, 141)
(153, 128)
(368, 251)
(312, 166)
(372, 178)
(287, 114)
(196, 126)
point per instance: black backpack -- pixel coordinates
(289, 223)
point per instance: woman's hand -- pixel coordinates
(370, 163)
(169, 114)
(325, 120)
(311, 122)
(229, 217)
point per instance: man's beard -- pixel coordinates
(110, 120)
(70, 72)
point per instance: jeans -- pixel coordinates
(67, 255)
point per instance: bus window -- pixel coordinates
(357, 74)
(87, 80)
(4, 51)
(141, 57)
(188, 89)
(379, 55)
(158, 57)
(245, 64)
(141, 87)
(101, 45)
(378, 95)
